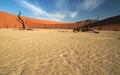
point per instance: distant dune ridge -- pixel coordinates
(10, 21)
(112, 23)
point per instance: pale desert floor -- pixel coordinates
(59, 52)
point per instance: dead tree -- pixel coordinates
(95, 32)
(76, 29)
(20, 20)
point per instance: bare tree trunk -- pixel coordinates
(21, 21)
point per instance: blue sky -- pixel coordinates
(62, 10)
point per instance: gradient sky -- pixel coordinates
(62, 10)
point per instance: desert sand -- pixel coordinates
(59, 52)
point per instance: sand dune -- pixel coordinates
(59, 52)
(10, 21)
(112, 23)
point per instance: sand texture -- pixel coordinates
(59, 52)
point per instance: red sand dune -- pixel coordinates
(10, 21)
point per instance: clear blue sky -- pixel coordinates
(62, 10)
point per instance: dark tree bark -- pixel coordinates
(20, 20)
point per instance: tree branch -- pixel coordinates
(21, 21)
